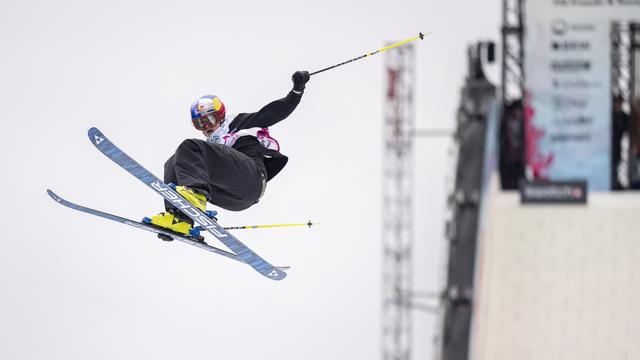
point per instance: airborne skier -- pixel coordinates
(231, 168)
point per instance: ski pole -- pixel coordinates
(309, 224)
(420, 36)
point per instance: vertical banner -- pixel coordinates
(568, 87)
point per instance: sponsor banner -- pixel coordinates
(553, 192)
(568, 87)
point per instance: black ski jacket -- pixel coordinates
(269, 161)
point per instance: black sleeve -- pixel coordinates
(269, 115)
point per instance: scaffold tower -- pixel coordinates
(397, 232)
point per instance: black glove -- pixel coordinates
(299, 79)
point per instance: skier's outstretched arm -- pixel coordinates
(275, 111)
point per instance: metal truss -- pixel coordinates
(397, 232)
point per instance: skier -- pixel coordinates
(232, 167)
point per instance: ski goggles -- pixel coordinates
(205, 122)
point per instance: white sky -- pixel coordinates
(78, 287)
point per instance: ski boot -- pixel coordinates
(175, 221)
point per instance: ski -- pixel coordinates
(140, 225)
(244, 253)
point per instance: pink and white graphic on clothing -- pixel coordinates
(223, 136)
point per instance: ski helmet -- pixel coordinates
(206, 111)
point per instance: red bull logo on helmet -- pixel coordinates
(206, 105)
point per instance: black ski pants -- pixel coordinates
(228, 178)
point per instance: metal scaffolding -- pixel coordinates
(512, 51)
(625, 48)
(621, 62)
(397, 214)
(635, 60)
(625, 41)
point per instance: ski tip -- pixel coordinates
(53, 195)
(95, 136)
(94, 131)
(276, 274)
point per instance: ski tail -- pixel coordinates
(140, 225)
(102, 143)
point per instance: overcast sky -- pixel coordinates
(78, 287)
